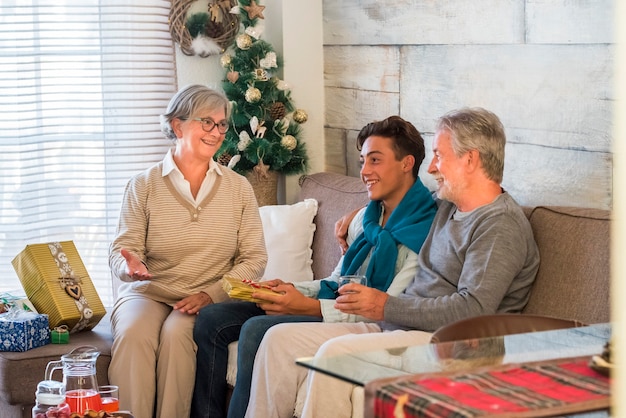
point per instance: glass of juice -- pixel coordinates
(81, 400)
(109, 396)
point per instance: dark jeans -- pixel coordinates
(250, 338)
(217, 325)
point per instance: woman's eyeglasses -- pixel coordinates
(208, 124)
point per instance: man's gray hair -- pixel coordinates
(477, 129)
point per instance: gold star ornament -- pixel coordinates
(254, 10)
(261, 170)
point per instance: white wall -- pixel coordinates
(544, 66)
(294, 28)
(618, 233)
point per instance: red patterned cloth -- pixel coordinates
(528, 390)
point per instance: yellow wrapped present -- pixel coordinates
(57, 283)
(243, 289)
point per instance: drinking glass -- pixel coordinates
(109, 396)
(80, 400)
(354, 278)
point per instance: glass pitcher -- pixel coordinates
(79, 378)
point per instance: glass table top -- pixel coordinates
(362, 367)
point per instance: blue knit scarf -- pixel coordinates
(408, 224)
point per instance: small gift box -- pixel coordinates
(22, 331)
(60, 335)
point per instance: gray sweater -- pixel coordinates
(482, 262)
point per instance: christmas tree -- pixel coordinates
(265, 132)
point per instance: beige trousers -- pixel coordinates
(328, 396)
(153, 358)
(277, 378)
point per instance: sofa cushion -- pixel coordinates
(573, 280)
(336, 195)
(288, 231)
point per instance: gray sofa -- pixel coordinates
(572, 282)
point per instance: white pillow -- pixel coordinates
(288, 231)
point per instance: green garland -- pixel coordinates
(252, 85)
(196, 24)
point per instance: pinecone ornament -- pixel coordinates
(224, 159)
(214, 30)
(277, 111)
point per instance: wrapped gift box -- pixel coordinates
(23, 331)
(57, 283)
(60, 335)
(9, 301)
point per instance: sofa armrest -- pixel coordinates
(573, 280)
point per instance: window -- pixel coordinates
(83, 84)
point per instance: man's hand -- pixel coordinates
(357, 299)
(289, 301)
(274, 282)
(341, 229)
(192, 304)
(135, 269)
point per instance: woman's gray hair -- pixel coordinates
(189, 102)
(477, 129)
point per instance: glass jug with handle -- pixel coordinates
(79, 378)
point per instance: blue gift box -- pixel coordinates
(23, 331)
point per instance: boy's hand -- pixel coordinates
(288, 301)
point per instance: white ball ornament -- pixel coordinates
(225, 60)
(300, 116)
(289, 142)
(253, 95)
(243, 41)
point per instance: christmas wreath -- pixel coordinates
(203, 34)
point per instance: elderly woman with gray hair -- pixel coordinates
(184, 224)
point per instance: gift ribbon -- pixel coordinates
(71, 285)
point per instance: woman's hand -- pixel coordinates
(192, 304)
(135, 268)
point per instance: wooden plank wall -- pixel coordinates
(544, 66)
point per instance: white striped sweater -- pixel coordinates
(188, 248)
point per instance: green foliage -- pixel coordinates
(196, 23)
(254, 67)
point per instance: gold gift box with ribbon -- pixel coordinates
(57, 283)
